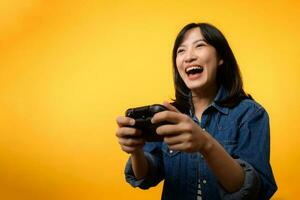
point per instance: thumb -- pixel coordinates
(170, 107)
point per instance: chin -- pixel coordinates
(195, 85)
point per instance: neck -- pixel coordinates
(202, 99)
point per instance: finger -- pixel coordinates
(128, 132)
(132, 142)
(170, 107)
(172, 139)
(183, 146)
(166, 116)
(177, 146)
(129, 149)
(125, 121)
(169, 129)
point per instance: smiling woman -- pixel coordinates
(190, 69)
(67, 68)
(196, 155)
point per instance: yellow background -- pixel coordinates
(68, 68)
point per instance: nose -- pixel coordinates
(190, 56)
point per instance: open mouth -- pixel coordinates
(194, 70)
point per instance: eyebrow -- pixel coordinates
(199, 40)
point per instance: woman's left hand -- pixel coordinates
(182, 133)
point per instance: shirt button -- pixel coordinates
(204, 181)
(171, 151)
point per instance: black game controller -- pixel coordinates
(142, 116)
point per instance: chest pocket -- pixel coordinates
(226, 133)
(229, 146)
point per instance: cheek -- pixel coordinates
(179, 65)
(207, 57)
(211, 62)
(177, 62)
(180, 72)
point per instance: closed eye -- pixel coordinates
(180, 50)
(200, 45)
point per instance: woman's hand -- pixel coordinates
(128, 137)
(182, 134)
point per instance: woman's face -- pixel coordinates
(197, 61)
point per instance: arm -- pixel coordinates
(227, 170)
(254, 150)
(139, 164)
(183, 134)
(130, 143)
(244, 178)
(144, 167)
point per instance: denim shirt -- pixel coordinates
(244, 133)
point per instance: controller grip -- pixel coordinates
(148, 129)
(142, 116)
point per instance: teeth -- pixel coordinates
(192, 68)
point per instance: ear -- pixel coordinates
(220, 62)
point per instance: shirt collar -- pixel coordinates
(221, 94)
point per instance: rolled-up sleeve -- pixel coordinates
(250, 187)
(253, 154)
(155, 171)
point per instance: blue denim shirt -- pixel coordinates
(244, 133)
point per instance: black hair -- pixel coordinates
(228, 73)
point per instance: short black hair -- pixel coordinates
(228, 73)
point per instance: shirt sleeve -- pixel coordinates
(250, 187)
(253, 154)
(155, 173)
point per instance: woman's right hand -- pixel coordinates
(128, 136)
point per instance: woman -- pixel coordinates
(217, 145)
